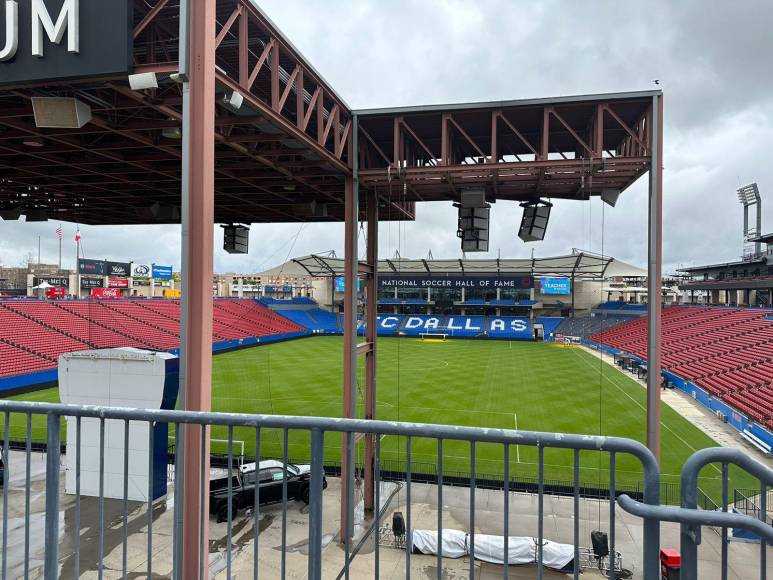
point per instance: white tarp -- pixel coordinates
(454, 542)
(521, 549)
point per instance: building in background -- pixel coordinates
(745, 282)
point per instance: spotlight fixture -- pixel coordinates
(233, 101)
(535, 220)
(32, 142)
(172, 132)
(143, 81)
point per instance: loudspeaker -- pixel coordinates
(142, 81)
(236, 239)
(474, 240)
(10, 214)
(36, 215)
(472, 198)
(60, 113)
(534, 222)
(600, 543)
(398, 524)
(609, 196)
(473, 228)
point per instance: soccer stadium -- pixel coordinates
(369, 414)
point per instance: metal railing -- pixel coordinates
(318, 429)
(692, 519)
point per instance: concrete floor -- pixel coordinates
(744, 557)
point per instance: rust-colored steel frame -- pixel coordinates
(291, 153)
(520, 150)
(283, 156)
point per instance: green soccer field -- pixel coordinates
(524, 385)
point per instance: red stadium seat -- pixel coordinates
(34, 333)
(727, 351)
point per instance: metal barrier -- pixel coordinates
(692, 519)
(318, 429)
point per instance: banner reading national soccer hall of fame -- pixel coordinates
(456, 281)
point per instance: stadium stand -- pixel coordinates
(726, 351)
(34, 333)
(549, 324)
(313, 319)
(584, 326)
(269, 301)
(621, 306)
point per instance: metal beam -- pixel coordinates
(350, 353)
(196, 333)
(371, 316)
(654, 272)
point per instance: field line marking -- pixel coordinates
(517, 447)
(642, 407)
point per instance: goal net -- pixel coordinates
(439, 335)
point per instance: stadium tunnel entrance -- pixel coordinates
(203, 112)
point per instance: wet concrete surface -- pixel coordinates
(489, 519)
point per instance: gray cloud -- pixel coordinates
(711, 58)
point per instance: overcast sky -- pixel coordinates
(713, 60)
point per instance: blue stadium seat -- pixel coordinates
(549, 323)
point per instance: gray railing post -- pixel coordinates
(52, 498)
(690, 532)
(651, 526)
(315, 505)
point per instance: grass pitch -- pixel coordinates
(524, 385)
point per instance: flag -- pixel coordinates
(78, 235)
(59, 232)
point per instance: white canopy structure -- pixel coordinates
(579, 264)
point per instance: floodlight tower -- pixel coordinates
(749, 196)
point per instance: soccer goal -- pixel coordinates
(435, 336)
(572, 341)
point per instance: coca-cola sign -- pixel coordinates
(105, 292)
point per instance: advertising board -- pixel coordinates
(105, 292)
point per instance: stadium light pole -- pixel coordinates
(654, 275)
(198, 240)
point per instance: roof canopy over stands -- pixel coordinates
(285, 153)
(581, 264)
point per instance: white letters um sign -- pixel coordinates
(42, 23)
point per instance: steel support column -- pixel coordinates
(350, 348)
(371, 314)
(654, 272)
(198, 304)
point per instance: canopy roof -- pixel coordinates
(286, 153)
(579, 264)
